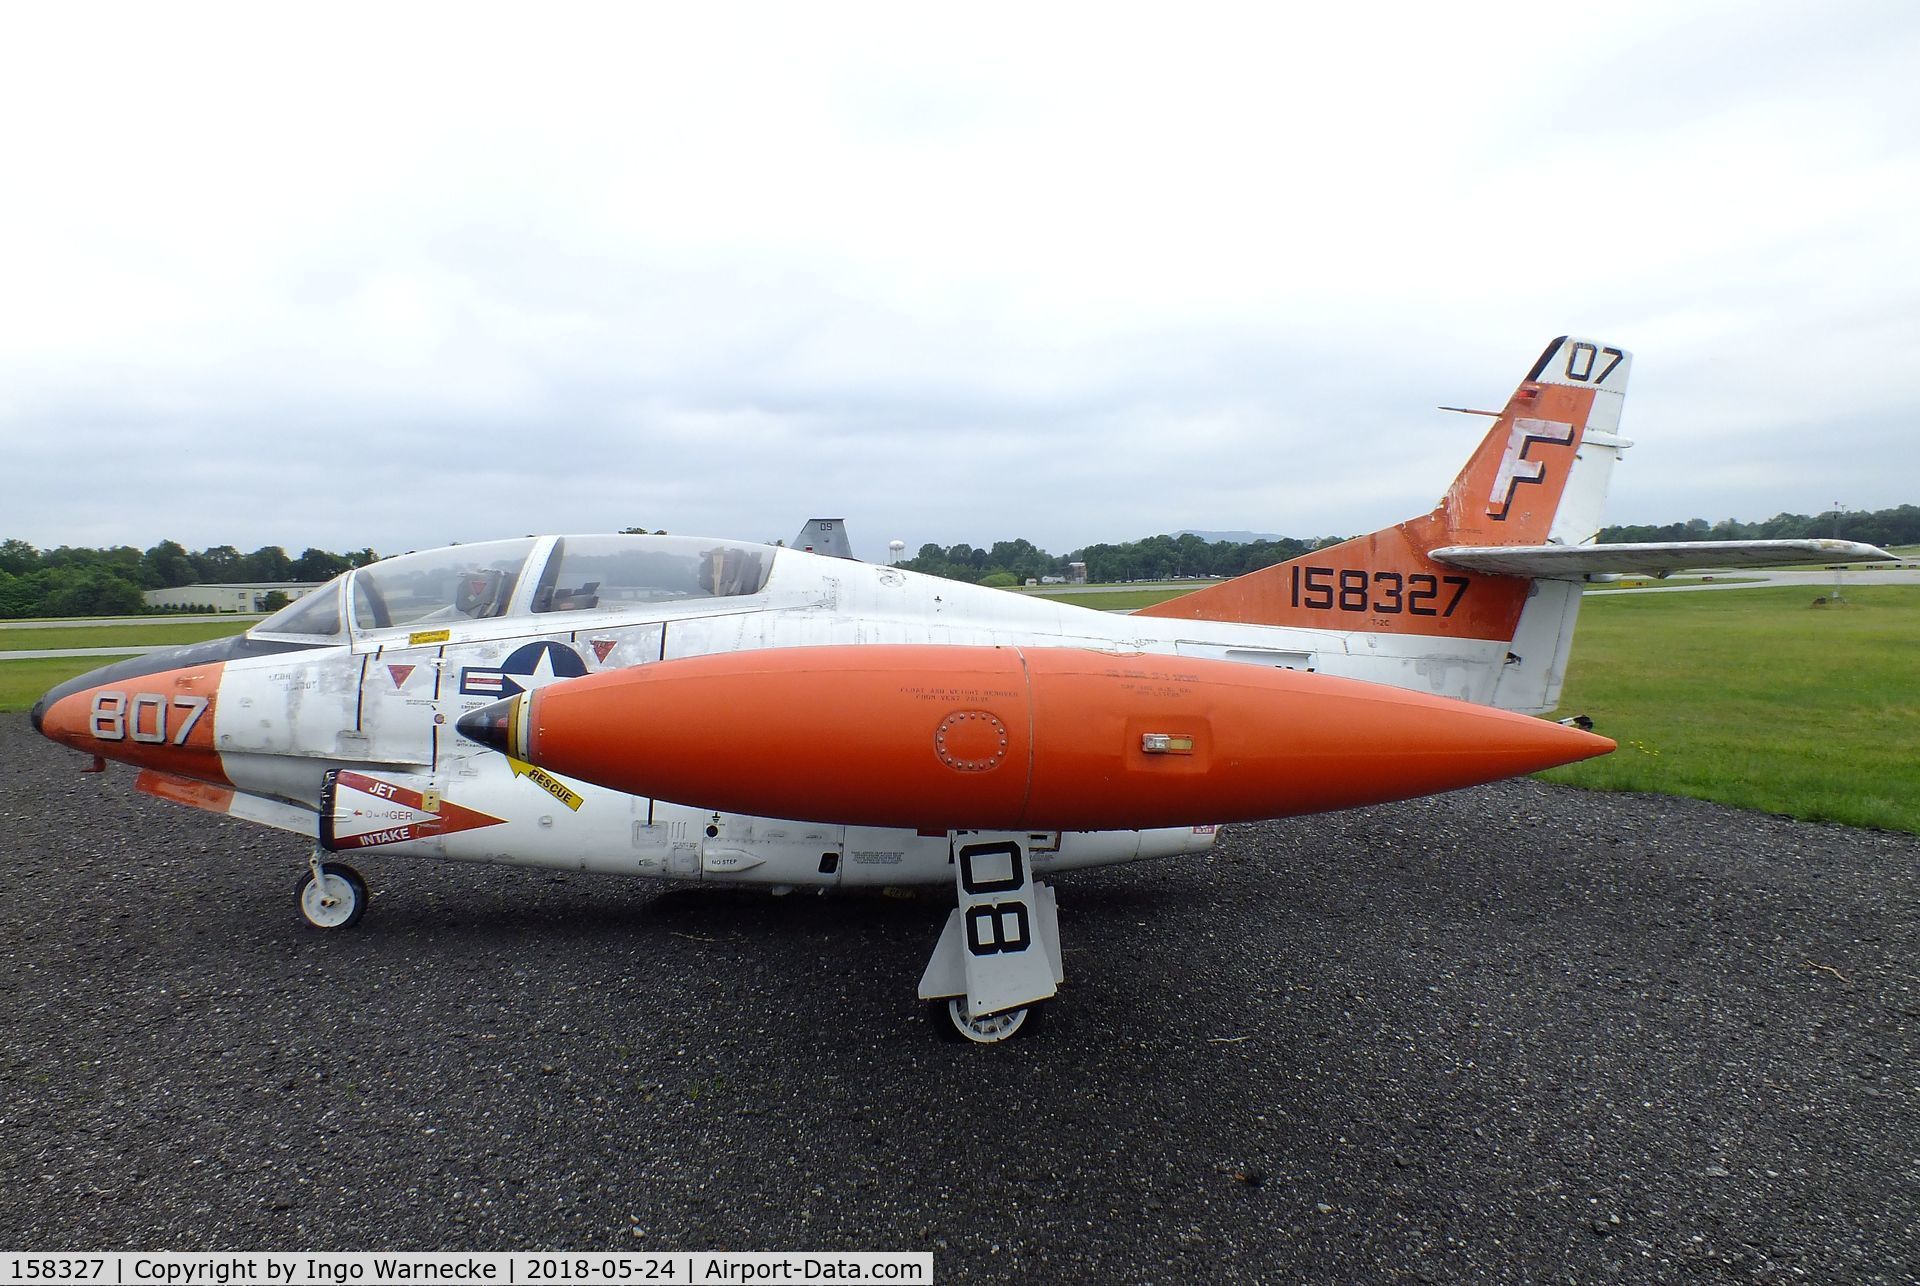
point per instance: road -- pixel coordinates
(36, 654)
(1754, 578)
(1128, 587)
(1515, 1033)
(93, 622)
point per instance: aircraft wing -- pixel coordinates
(1573, 562)
(224, 800)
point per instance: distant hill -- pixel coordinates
(1237, 537)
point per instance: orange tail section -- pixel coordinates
(1532, 480)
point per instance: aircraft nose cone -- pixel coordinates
(58, 716)
(491, 726)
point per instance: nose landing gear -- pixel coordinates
(999, 955)
(952, 1022)
(331, 895)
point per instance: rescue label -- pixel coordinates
(548, 782)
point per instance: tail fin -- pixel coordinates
(1538, 477)
(826, 536)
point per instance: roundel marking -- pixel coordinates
(528, 668)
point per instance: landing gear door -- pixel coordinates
(1003, 932)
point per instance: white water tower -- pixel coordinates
(896, 551)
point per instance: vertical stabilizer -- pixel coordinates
(824, 536)
(1539, 476)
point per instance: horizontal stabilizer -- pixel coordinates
(1572, 562)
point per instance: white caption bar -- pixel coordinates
(548, 1268)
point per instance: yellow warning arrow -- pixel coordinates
(546, 781)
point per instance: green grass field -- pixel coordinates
(1756, 699)
(1118, 601)
(134, 633)
(22, 682)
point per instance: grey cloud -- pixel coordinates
(515, 320)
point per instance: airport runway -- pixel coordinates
(107, 622)
(1516, 1033)
(1760, 578)
(104, 653)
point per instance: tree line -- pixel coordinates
(71, 581)
(1185, 557)
(1883, 527)
(1188, 557)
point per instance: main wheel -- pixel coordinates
(336, 900)
(987, 1029)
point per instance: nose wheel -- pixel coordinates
(331, 895)
(951, 1021)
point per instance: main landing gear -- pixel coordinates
(999, 955)
(331, 894)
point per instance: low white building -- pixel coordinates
(250, 597)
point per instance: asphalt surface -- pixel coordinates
(1515, 1033)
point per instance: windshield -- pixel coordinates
(316, 614)
(626, 571)
(465, 582)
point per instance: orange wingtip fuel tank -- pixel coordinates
(1006, 738)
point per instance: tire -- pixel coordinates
(950, 1021)
(943, 1028)
(344, 886)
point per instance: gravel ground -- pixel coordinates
(1518, 1033)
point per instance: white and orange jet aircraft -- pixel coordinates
(692, 709)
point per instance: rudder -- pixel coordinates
(1539, 475)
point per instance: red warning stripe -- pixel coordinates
(447, 819)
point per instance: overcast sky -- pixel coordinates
(400, 276)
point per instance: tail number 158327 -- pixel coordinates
(1350, 589)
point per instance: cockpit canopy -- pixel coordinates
(465, 582)
(530, 576)
(631, 571)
